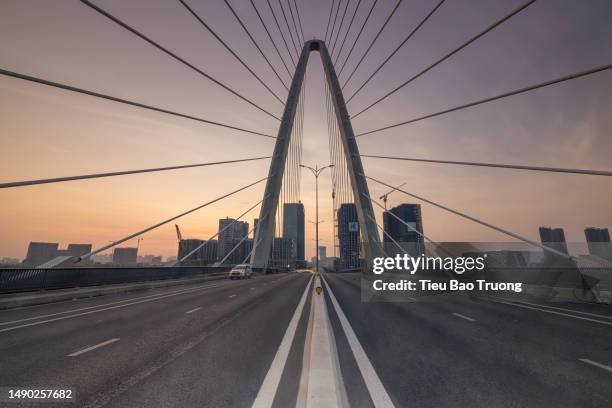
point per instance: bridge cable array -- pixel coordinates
(331, 10)
(125, 101)
(347, 31)
(404, 41)
(333, 26)
(300, 39)
(261, 20)
(152, 227)
(356, 40)
(496, 97)
(333, 47)
(231, 51)
(248, 33)
(290, 189)
(293, 40)
(121, 173)
(382, 28)
(175, 56)
(342, 192)
(281, 33)
(499, 165)
(299, 19)
(450, 54)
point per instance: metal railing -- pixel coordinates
(19, 280)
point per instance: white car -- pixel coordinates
(241, 272)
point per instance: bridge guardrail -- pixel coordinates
(21, 280)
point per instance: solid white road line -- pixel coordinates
(85, 350)
(303, 387)
(325, 385)
(377, 391)
(192, 310)
(552, 312)
(187, 290)
(464, 317)
(99, 310)
(596, 364)
(268, 389)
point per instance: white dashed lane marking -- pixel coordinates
(90, 348)
(464, 317)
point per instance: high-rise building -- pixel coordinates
(293, 228)
(204, 255)
(231, 237)
(281, 255)
(553, 238)
(72, 251)
(411, 241)
(125, 256)
(79, 249)
(248, 248)
(75, 250)
(348, 236)
(40, 252)
(322, 253)
(598, 240)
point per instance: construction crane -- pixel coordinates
(178, 233)
(385, 196)
(180, 239)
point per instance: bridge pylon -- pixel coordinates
(365, 213)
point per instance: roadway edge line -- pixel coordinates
(301, 400)
(267, 391)
(375, 387)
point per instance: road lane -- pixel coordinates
(509, 356)
(37, 355)
(223, 368)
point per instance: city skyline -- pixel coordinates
(46, 132)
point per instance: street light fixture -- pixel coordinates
(316, 171)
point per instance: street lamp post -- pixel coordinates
(316, 171)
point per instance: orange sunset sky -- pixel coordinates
(46, 132)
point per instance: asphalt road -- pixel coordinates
(200, 345)
(457, 351)
(222, 343)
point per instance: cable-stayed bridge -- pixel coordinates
(197, 339)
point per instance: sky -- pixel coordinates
(46, 132)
